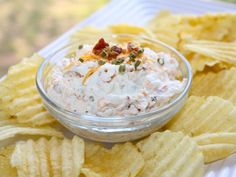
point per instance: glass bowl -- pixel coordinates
(113, 129)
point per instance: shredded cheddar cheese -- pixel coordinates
(88, 57)
(89, 73)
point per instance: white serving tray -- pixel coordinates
(139, 12)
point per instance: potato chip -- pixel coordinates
(18, 160)
(220, 84)
(201, 115)
(5, 165)
(18, 94)
(199, 63)
(78, 149)
(219, 27)
(162, 26)
(86, 172)
(55, 158)
(221, 51)
(87, 34)
(4, 122)
(120, 161)
(129, 29)
(216, 138)
(216, 146)
(170, 154)
(213, 152)
(9, 131)
(209, 26)
(38, 158)
(32, 159)
(4, 115)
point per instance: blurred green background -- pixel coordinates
(29, 25)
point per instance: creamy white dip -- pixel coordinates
(110, 92)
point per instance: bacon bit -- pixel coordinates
(99, 46)
(89, 73)
(114, 52)
(124, 51)
(116, 49)
(145, 93)
(131, 47)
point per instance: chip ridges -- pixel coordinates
(120, 161)
(220, 84)
(220, 51)
(11, 130)
(5, 165)
(170, 154)
(49, 158)
(19, 97)
(216, 146)
(201, 115)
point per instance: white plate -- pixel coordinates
(139, 12)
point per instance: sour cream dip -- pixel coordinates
(115, 80)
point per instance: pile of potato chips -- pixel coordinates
(202, 132)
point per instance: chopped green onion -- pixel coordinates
(154, 98)
(118, 61)
(104, 54)
(91, 98)
(161, 61)
(137, 63)
(81, 60)
(140, 51)
(80, 46)
(122, 68)
(101, 62)
(132, 56)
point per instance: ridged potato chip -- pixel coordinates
(220, 84)
(18, 94)
(88, 34)
(4, 115)
(49, 158)
(214, 27)
(170, 154)
(6, 170)
(221, 51)
(9, 131)
(123, 160)
(199, 63)
(201, 115)
(216, 146)
(162, 26)
(129, 29)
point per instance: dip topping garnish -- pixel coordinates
(101, 62)
(137, 63)
(99, 46)
(161, 61)
(122, 68)
(81, 60)
(80, 47)
(118, 61)
(103, 49)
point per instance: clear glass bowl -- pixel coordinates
(113, 129)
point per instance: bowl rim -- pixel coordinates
(113, 119)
